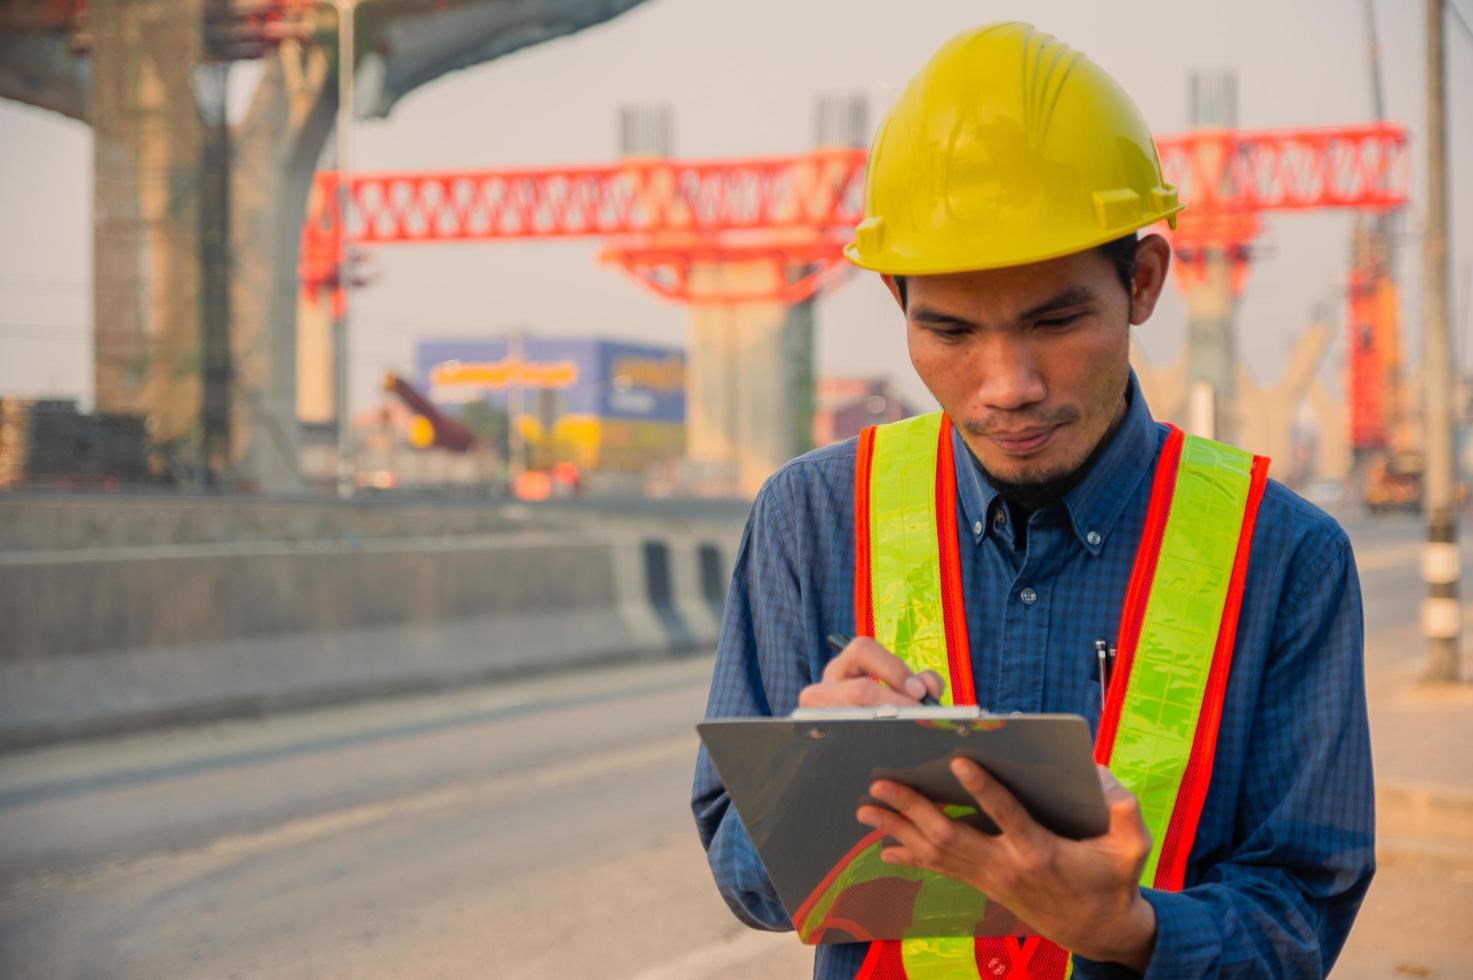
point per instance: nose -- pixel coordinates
(1008, 373)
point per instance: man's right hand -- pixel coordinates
(849, 680)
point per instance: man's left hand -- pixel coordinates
(1084, 895)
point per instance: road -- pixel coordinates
(537, 829)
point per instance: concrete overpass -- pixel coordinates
(195, 247)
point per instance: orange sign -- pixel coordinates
(503, 373)
(665, 374)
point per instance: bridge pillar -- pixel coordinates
(1212, 349)
(1212, 335)
(748, 371)
(277, 145)
(147, 138)
(1266, 414)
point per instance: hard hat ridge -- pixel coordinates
(1009, 147)
(1047, 63)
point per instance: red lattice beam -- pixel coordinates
(1229, 179)
(660, 216)
(639, 197)
(1289, 170)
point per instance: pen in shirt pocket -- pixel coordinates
(1105, 659)
(838, 641)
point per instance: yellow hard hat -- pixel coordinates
(1009, 147)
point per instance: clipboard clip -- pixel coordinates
(891, 712)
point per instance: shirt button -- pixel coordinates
(1093, 538)
(1028, 596)
(1000, 517)
(977, 527)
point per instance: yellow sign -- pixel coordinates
(421, 432)
(503, 373)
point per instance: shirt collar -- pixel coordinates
(1095, 504)
(973, 491)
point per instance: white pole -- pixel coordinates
(1442, 614)
(345, 474)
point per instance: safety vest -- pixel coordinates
(1158, 726)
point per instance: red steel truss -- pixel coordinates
(1230, 178)
(660, 218)
(789, 216)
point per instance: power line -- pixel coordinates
(15, 327)
(37, 284)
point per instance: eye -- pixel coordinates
(1059, 322)
(950, 335)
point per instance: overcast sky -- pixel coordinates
(742, 78)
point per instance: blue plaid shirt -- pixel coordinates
(1285, 849)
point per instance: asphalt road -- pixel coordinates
(524, 830)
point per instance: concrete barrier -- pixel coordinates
(31, 521)
(56, 522)
(104, 640)
(61, 603)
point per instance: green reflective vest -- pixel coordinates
(1158, 726)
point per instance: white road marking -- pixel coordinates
(227, 850)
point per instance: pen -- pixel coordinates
(838, 641)
(1101, 656)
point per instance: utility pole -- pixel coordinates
(1373, 57)
(216, 369)
(1441, 613)
(516, 406)
(346, 62)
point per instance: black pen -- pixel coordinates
(838, 641)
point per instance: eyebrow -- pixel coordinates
(1069, 297)
(1072, 296)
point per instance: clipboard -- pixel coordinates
(797, 781)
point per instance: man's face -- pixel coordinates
(1031, 362)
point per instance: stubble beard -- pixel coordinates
(1037, 490)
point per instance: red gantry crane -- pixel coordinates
(659, 218)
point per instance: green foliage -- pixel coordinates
(488, 424)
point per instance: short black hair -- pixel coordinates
(1120, 251)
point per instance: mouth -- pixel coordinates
(1023, 442)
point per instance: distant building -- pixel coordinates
(602, 405)
(46, 442)
(844, 406)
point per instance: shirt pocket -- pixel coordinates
(1093, 704)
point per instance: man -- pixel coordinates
(1005, 199)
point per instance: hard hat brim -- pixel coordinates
(889, 265)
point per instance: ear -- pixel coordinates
(889, 282)
(1152, 260)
